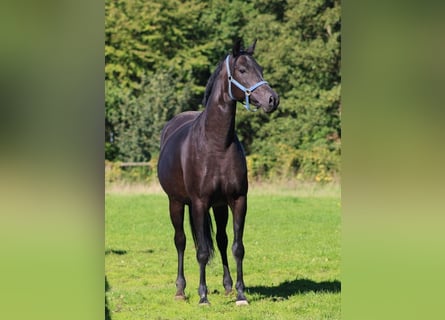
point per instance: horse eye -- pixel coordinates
(242, 70)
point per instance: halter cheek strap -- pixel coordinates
(247, 91)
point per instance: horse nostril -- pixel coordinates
(273, 101)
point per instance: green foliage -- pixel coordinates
(135, 121)
(159, 56)
(302, 139)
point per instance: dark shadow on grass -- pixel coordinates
(287, 289)
(107, 310)
(147, 251)
(113, 251)
(122, 252)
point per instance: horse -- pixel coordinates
(202, 165)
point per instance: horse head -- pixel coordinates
(245, 79)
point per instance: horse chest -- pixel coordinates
(217, 173)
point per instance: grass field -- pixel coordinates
(291, 267)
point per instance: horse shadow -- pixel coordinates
(107, 309)
(287, 289)
(119, 252)
(115, 251)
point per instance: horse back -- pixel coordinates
(177, 123)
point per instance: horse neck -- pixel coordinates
(219, 115)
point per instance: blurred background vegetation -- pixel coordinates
(159, 56)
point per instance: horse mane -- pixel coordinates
(210, 83)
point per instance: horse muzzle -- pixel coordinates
(274, 101)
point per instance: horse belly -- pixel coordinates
(170, 173)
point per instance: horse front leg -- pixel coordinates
(177, 219)
(239, 209)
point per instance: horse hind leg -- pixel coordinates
(177, 219)
(202, 231)
(221, 218)
(239, 209)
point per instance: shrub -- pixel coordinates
(118, 172)
(317, 164)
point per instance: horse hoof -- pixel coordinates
(180, 297)
(204, 302)
(242, 302)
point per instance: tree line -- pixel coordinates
(159, 56)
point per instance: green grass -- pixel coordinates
(291, 267)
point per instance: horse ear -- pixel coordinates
(237, 47)
(251, 49)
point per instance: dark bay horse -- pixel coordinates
(202, 165)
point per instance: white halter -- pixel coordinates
(246, 91)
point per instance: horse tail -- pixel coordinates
(208, 232)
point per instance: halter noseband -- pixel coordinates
(246, 91)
